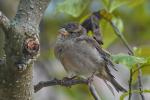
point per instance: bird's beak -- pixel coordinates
(63, 32)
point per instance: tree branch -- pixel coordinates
(31, 11)
(130, 85)
(140, 82)
(67, 82)
(118, 33)
(21, 49)
(93, 92)
(140, 68)
(122, 38)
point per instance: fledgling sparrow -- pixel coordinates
(82, 55)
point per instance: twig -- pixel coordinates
(64, 82)
(140, 82)
(133, 91)
(93, 92)
(130, 85)
(140, 68)
(120, 35)
(67, 82)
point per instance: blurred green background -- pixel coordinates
(132, 17)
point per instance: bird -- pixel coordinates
(82, 55)
(92, 24)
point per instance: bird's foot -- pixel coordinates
(69, 78)
(66, 81)
(90, 79)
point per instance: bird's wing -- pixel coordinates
(102, 52)
(106, 56)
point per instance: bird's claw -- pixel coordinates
(69, 78)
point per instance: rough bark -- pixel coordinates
(21, 49)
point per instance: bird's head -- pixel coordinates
(71, 30)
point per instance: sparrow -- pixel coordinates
(82, 55)
(92, 24)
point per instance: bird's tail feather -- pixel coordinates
(109, 87)
(117, 86)
(111, 79)
(106, 75)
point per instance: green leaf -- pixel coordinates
(116, 4)
(73, 7)
(148, 60)
(112, 5)
(133, 91)
(142, 51)
(128, 60)
(134, 3)
(106, 2)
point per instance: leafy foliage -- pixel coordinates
(144, 53)
(112, 5)
(133, 91)
(128, 60)
(73, 7)
(133, 20)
